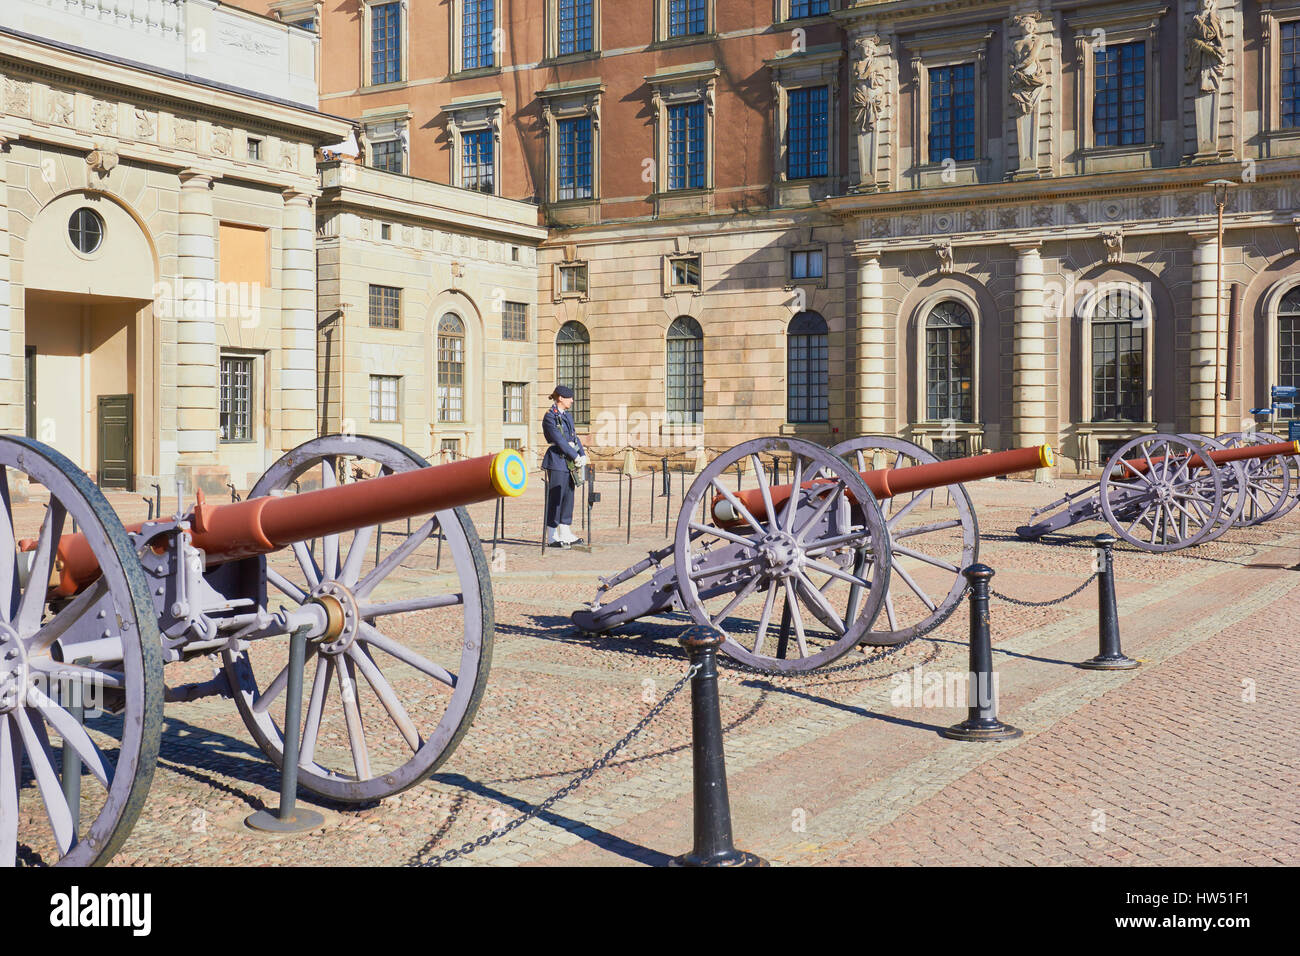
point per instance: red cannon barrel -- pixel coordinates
(263, 525)
(1223, 456)
(888, 482)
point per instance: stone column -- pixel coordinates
(297, 321)
(196, 330)
(1203, 354)
(869, 402)
(12, 397)
(1029, 405)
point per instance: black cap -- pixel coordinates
(563, 391)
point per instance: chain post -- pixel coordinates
(629, 509)
(652, 494)
(713, 840)
(981, 723)
(1109, 655)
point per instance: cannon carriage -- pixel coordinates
(89, 617)
(864, 545)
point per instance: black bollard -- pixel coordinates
(713, 846)
(1109, 656)
(630, 478)
(290, 818)
(981, 723)
(668, 482)
(652, 494)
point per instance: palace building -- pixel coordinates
(976, 224)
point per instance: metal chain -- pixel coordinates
(1064, 597)
(467, 848)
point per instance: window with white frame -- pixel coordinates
(477, 34)
(573, 158)
(478, 160)
(1288, 341)
(949, 72)
(949, 363)
(572, 27)
(513, 402)
(474, 135)
(1118, 339)
(571, 124)
(1279, 76)
(686, 137)
(1289, 73)
(806, 264)
(807, 369)
(573, 278)
(684, 272)
(386, 142)
(451, 368)
(383, 397)
(683, 20)
(1117, 76)
(807, 132)
(514, 321)
(385, 28)
(805, 90)
(385, 307)
(236, 398)
(801, 9)
(682, 101)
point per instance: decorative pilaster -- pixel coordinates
(196, 328)
(297, 321)
(873, 361)
(1029, 405)
(1204, 352)
(12, 406)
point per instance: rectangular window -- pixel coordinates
(514, 444)
(574, 32)
(808, 379)
(385, 43)
(952, 112)
(686, 272)
(450, 448)
(1120, 95)
(806, 132)
(1289, 72)
(512, 401)
(685, 381)
(387, 154)
(476, 38)
(383, 398)
(514, 321)
(686, 146)
(947, 450)
(254, 150)
(478, 147)
(1118, 371)
(806, 264)
(573, 279)
(948, 374)
(236, 418)
(573, 157)
(385, 307)
(686, 17)
(809, 8)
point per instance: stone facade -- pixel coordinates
(203, 248)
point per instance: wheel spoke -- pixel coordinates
(8, 552)
(41, 760)
(369, 611)
(394, 558)
(822, 545)
(701, 572)
(285, 585)
(356, 554)
(916, 588)
(347, 678)
(738, 505)
(384, 691)
(792, 602)
(31, 606)
(72, 731)
(55, 671)
(373, 637)
(792, 505)
(315, 709)
(840, 573)
(307, 561)
(89, 602)
(765, 619)
(10, 768)
(826, 503)
(750, 587)
(927, 528)
(928, 559)
(277, 686)
(760, 476)
(817, 600)
(722, 533)
(889, 610)
(898, 515)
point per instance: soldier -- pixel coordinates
(563, 458)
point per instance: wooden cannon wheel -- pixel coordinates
(1160, 506)
(389, 699)
(826, 563)
(933, 535)
(1273, 483)
(79, 730)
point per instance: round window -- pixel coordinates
(86, 229)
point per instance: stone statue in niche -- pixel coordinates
(1207, 55)
(870, 99)
(1027, 79)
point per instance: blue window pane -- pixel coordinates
(808, 8)
(952, 112)
(686, 146)
(573, 158)
(1290, 69)
(685, 17)
(806, 132)
(575, 26)
(1119, 95)
(480, 19)
(476, 169)
(385, 43)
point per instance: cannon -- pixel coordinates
(1165, 492)
(858, 530)
(89, 616)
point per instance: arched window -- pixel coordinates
(1288, 339)
(573, 368)
(807, 375)
(451, 369)
(1119, 321)
(949, 365)
(685, 371)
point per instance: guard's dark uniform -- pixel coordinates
(565, 446)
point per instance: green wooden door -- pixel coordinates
(115, 434)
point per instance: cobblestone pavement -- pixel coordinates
(1190, 759)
